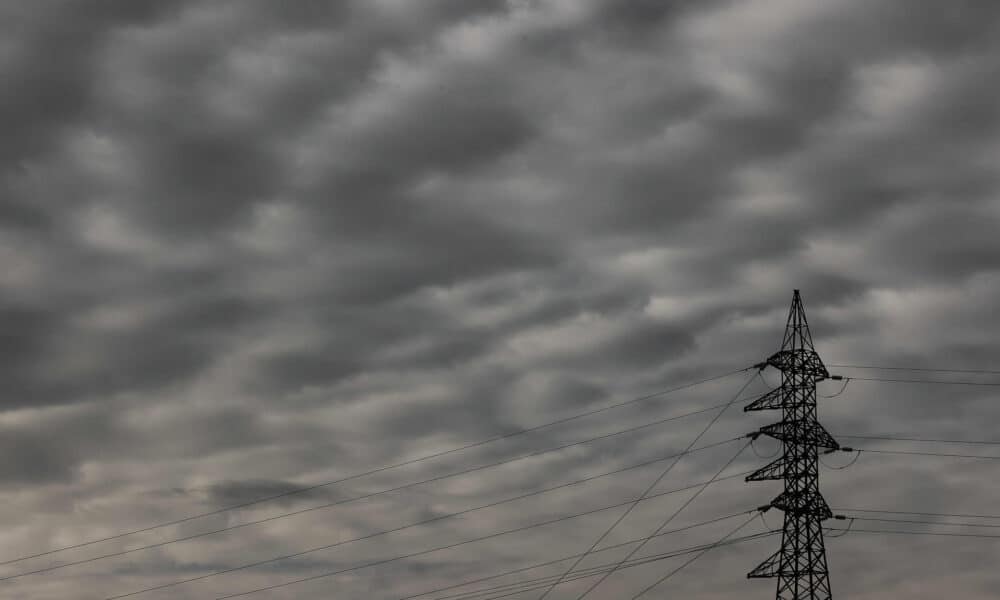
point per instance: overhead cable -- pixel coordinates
(667, 521)
(423, 552)
(652, 485)
(352, 499)
(918, 513)
(925, 522)
(927, 381)
(916, 453)
(540, 582)
(929, 370)
(693, 558)
(915, 439)
(311, 487)
(435, 519)
(904, 532)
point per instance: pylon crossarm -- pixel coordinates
(787, 395)
(769, 401)
(774, 470)
(800, 360)
(800, 431)
(768, 568)
(809, 503)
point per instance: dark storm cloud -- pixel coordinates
(172, 342)
(229, 493)
(251, 246)
(52, 96)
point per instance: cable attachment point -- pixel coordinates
(760, 366)
(836, 377)
(764, 508)
(840, 517)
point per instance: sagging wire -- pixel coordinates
(857, 455)
(753, 447)
(846, 530)
(693, 558)
(763, 519)
(847, 380)
(760, 373)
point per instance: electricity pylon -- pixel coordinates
(800, 565)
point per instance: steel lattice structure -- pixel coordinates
(800, 565)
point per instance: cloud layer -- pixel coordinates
(247, 246)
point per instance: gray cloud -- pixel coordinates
(249, 246)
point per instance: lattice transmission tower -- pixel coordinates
(800, 565)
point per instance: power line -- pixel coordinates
(924, 522)
(843, 532)
(652, 485)
(437, 549)
(344, 501)
(913, 439)
(590, 572)
(916, 453)
(694, 558)
(541, 582)
(918, 513)
(929, 370)
(537, 583)
(857, 455)
(847, 380)
(903, 532)
(667, 521)
(753, 447)
(419, 459)
(432, 520)
(965, 515)
(927, 381)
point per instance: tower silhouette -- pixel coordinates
(800, 565)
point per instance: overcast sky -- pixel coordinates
(251, 245)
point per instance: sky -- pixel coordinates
(249, 246)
